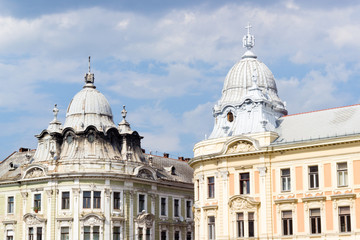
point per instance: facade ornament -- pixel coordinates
(89, 77)
(224, 174)
(34, 173)
(93, 221)
(76, 191)
(24, 194)
(31, 219)
(145, 219)
(107, 192)
(55, 111)
(237, 203)
(262, 171)
(144, 173)
(241, 146)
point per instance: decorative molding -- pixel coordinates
(316, 198)
(343, 196)
(145, 219)
(208, 207)
(9, 222)
(262, 171)
(34, 172)
(32, 219)
(286, 200)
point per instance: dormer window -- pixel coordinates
(91, 138)
(230, 117)
(69, 139)
(173, 170)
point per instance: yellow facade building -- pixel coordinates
(263, 174)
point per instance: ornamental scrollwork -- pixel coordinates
(241, 146)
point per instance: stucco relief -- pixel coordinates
(34, 173)
(237, 203)
(31, 220)
(144, 173)
(241, 146)
(92, 221)
(145, 219)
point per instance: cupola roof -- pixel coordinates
(89, 107)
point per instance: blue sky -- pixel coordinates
(167, 60)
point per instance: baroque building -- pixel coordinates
(263, 174)
(89, 179)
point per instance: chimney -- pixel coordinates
(181, 158)
(187, 159)
(166, 155)
(24, 149)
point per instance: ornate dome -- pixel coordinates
(239, 80)
(89, 107)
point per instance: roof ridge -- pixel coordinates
(320, 110)
(8, 157)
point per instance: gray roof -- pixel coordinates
(321, 124)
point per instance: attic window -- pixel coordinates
(230, 117)
(173, 170)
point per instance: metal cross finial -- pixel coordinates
(89, 65)
(248, 28)
(248, 40)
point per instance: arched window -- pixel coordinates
(230, 117)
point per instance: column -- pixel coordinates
(107, 229)
(263, 207)
(49, 194)
(76, 197)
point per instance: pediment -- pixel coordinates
(241, 146)
(32, 219)
(34, 172)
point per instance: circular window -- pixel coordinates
(230, 117)
(91, 138)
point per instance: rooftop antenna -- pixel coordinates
(89, 65)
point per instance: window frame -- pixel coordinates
(37, 202)
(64, 202)
(145, 202)
(8, 204)
(117, 201)
(285, 178)
(315, 220)
(244, 182)
(114, 236)
(211, 227)
(188, 212)
(344, 172)
(177, 208)
(63, 234)
(211, 187)
(287, 230)
(165, 214)
(314, 177)
(96, 200)
(347, 220)
(89, 202)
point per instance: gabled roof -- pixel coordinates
(328, 123)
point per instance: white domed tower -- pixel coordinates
(249, 101)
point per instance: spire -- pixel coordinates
(89, 78)
(248, 43)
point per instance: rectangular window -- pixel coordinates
(176, 207)
(96, 232)
(342, 174)
(116, 233)
(31, 234)
(140, 234)
(39, 233)
(87, 233)
(177, 235)
(10, 205)
(97, 199)
(141, 202)
(251, 224)
(148, 234)
(244, 183)
(64, 233)
(285, 179)
(211, 187)
(117, 200)
(287, 223)
(240, 225)
(188, 236)
(86, 199)
(65, 200)
(313, 177)
(211, 228)
(344, 219)
(163, 206)
(9, 235)
(188, 209)
(37, 202)
(315, 221)
(163, 235)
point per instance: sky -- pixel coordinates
(167, 60)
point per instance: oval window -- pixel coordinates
(69, 139)
(230, 117)
(91, 138)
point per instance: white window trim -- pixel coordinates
(138, 201)
(349, 183)
(112, 229)
(166, 207)
(70, 202)
(33, 201)
(119, 211)
(82, 200)
(102, 200)
(191, 213)
(286, 207)
(176, 198)
(344, 203)
(65, 224)
(177, 230)
(6, 207)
